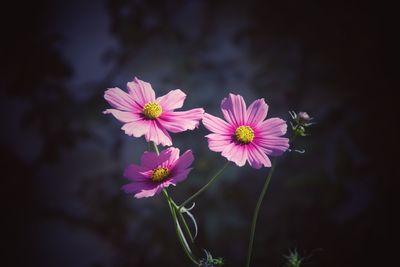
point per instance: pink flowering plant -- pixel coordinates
(243, 135)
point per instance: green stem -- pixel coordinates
(178, 233)
(256, 211)
(183, 220)
(185, 225)
(204, 187)
(155, 147)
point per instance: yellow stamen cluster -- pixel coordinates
(152, 110)
(159, 174)
(244, 134)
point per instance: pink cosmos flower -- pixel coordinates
(157, 172)
(245, 135)
(144, 114)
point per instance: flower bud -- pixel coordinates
(300, 122)
(303, 116)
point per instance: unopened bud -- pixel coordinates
(300, 122)
(303, 116)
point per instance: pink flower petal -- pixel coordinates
(254, 163)
(168, 157)
(149, 159)
(167, 183)
(180, 176)
(272, 126)
(236, 153)
(120, 100)
(157, 134)
(136, 128)
(123, 116)
(272, 145)
(180, 121)
(173, 100)
(142, 189)
(137, 173)
(256, 157)
(184, 161)
(141, 92)
(149, 193)
(218, 142)
(217, 125)
(234, 109)
(257, 112)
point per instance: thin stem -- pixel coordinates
(155, 147)
(176, 207)
(204, 187)
(256, 211)
(178, 232)
(185, 224)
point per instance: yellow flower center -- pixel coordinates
(159, 174)
(244, 134)
(152, 110)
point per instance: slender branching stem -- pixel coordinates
(183, 220)
(256, 211)
(204, 187)
(177, 229)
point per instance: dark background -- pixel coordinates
(62, 159)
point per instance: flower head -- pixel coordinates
(156, 172)
(245, 135)
(144, 114)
